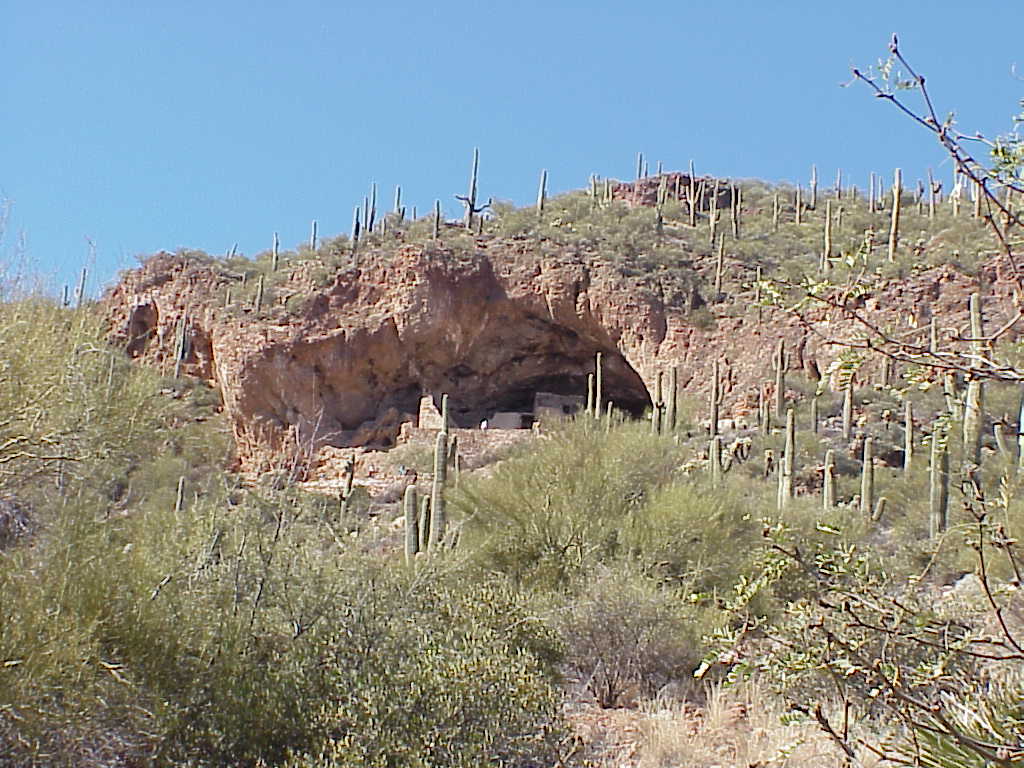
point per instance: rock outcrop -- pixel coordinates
(491, 329)
(345, 362)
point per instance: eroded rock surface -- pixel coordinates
(350, 367)
(345, 363)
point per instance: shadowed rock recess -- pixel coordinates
(345, 364)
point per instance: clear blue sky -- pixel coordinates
(152, 125)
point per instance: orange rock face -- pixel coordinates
(348, 364)
(350, 367)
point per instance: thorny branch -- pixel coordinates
(997, 214)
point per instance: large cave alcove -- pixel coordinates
(357, 387)
(514, 387)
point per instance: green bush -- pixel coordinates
(546, 516)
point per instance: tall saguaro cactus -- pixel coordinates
(672, 413)
(938, 489)
(716, 398)
(470, 199)
(974, 400)
(848, 409)
(659, 404)
(908, 435)
(867, 479)
(542, 193)
(715, 459)
(180, 344)
(691, 197)
(438, 517)
(828, 488)
(780, 379)
(412, 528)
(598, 387)
(788, 462)
(894, 221)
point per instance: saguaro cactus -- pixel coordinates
(258, 301)
(672, 413)
(659, 404)
(437, 219)
(814, 188)
(908, 435)
(974, 400)
(715, 400)
(412, 528)
(470, 199)
(938, 490)
(438, 518)
(445, 415)
(788, 462)
(719, 268)
(780, 379)
(826, 253)
(598, 386)
(691, 198)
(542, 193)
(867, 479)
(355, 232)
(424, 524)
(894, 221)
(828, 488)
(715, 459)
(734, 210)
(274, 255)
(848, 409)
(180, 345)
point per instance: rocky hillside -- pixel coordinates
(336, 346)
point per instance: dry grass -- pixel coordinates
(739, 726)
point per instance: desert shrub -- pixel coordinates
(417, 675)
(626, 636)
(547, 515)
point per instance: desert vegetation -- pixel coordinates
(833, 581)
